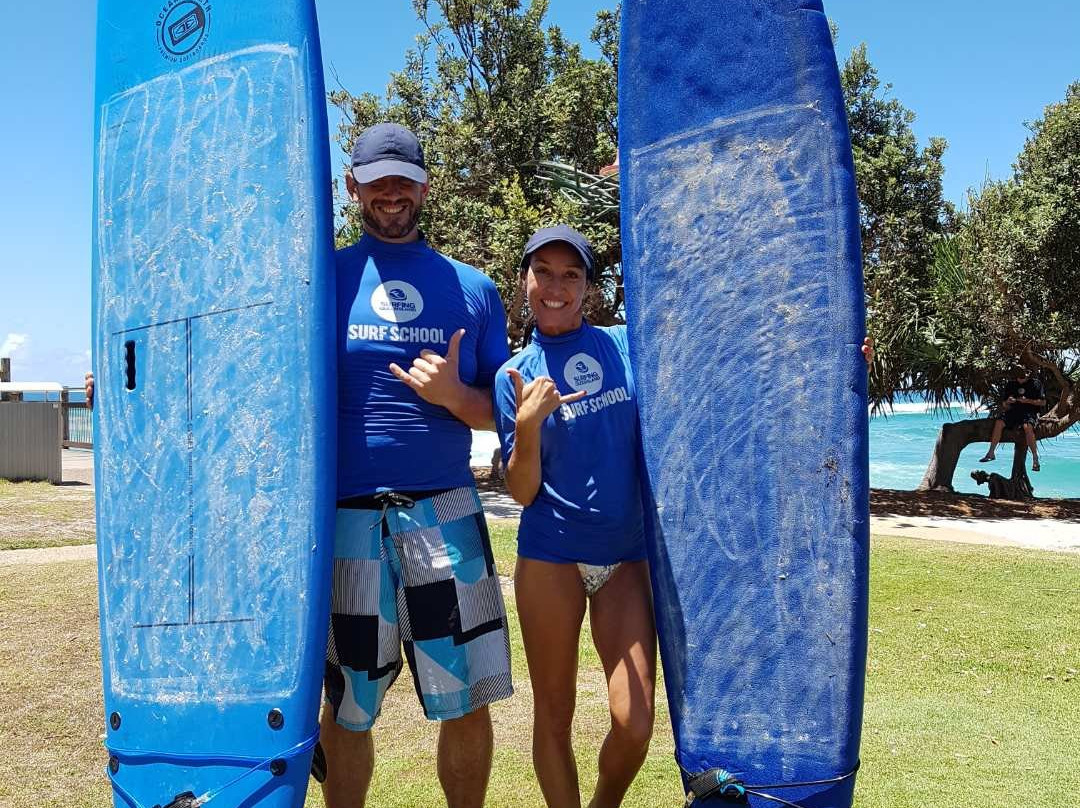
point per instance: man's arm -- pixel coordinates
(473, 406)
(1038, 395)
(1032, 402)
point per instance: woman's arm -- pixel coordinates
(535, 402)
(523, 469)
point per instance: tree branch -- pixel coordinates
(1033, 358)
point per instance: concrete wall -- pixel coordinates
(30, 438)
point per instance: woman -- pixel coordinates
(567, 419)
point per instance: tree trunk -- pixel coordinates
(1020, 483)
(955, 437)
(952, 440)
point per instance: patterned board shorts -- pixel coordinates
(422, 577)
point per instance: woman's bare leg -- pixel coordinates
(624, 631)
(551, 605)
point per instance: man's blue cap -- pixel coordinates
(560, 232)
(388, 150)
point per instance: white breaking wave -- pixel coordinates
(966, 409)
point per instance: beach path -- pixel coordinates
(969, 519)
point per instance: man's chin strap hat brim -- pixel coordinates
(388, 150)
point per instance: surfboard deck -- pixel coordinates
(215, 416)
(744, 298)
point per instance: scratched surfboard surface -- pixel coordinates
(745, 310)
(215, 415)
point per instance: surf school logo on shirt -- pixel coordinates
(182, 26)
(582, 372)
(397, 302)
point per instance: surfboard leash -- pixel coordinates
(722, 786)
(276, 765)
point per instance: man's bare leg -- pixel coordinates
(465, 749)
(995, 439)
(350, 760)
(1029, 433)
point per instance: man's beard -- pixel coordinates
(393, 230)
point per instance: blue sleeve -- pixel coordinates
(504, 403)
(491, 347)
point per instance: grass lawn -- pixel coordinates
(973, 698)
(45, 515)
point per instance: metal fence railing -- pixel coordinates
(78, 431)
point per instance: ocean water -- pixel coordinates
(74, 396)
(900, 449)
(902, 443)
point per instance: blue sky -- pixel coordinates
(972, 70)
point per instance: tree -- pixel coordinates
(955, 301)
(1007, 290)
(902, 215)
(493, 96)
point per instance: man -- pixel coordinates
(420, 337)
(1023, 398)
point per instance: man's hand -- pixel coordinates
(538, 399)
(435, 378)
(868, 351)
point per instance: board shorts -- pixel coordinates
(421, 576)
(1014, 419)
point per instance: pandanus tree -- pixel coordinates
(1004, 288)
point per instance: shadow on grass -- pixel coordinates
(888, 502)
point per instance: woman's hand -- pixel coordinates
(538, 399)
(535, 401)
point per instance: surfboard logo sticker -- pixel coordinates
(582, 372)
(182, 26)
(397, 302)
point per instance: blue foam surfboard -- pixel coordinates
(213, 352)
(745, 310)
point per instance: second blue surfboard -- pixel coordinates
(745, 309)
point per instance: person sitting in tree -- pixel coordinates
(1022, 399)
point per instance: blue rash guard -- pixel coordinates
(588, 508)
(394, 300)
